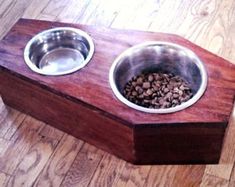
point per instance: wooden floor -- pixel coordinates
(34, 154)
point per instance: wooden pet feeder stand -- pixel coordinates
(83, 104)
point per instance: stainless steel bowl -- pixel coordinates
(59, 51)
(158, 57)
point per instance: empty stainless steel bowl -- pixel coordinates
(59, 51)
(158, 57)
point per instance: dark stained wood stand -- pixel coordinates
(83, 104)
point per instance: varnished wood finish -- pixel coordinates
(91, 86)
(209, 24)
(198, 144)
(73, 103)
(72, 117)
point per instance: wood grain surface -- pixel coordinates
(210, 24)
(73, 118)
(90, 85)
(82, 104)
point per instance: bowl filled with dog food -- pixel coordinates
(158, 77)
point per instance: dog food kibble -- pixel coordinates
(157, 90)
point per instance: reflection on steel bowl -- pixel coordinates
(59, 51)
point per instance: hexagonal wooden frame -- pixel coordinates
(82, 103)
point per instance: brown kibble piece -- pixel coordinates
(174, 101)
(139, 89)
(161, 101)
(146, 101)
(134, 93)
(157, 77)
(165, 90)
(165, 105)
(175, 96)
(134, 83)
(149, 92)
(141, 96)
(146, 85)
(139, 81)
(150, 78)
(181, 87)
(180, 92)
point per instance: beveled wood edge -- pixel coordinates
(129, 124)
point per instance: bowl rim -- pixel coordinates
(39, 36)
(182, 106)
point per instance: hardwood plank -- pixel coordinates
(4, 179)
(6, 6)
(10, 12)
(221, 171)
(99, 12)
(161, 175)
(51, 132)
(60, 162)
(190, 175)
(20, 144)
(34, 8)
(8, 118)
(73, 11)
(218, 39)
(83, 167)
(138, 176)
(52, 9)
(33, 162)
(231, 183)
(228, 49)
(209, 180)
(207, 23)
(127, 17)
(2, 107)
(147, 13)
(232, 176)
(124, 176)
(45, 17)
(4, 144)
(132, 175)
(164, 19)
(109, 170)
(14, 126)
